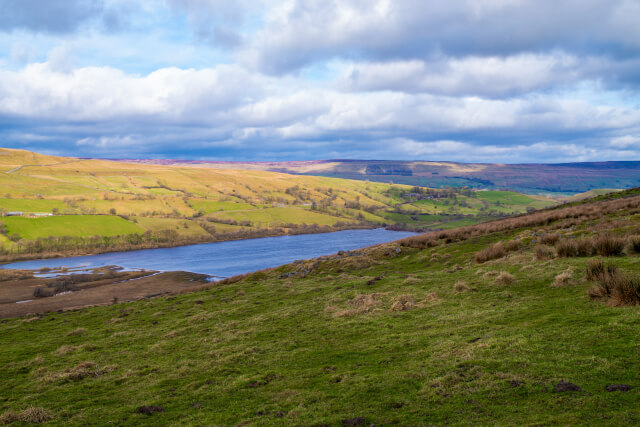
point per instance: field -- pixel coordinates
(205, 204)
(279, 216)
(73, 225)
(418, 332)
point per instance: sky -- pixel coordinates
(497, 81)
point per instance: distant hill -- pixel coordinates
(533, 178)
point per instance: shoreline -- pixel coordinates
(45, 256)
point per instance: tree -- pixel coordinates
(112, 211)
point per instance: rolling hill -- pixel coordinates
(173, 204)
(550, 179)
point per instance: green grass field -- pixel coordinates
(394, 335)
(70, 225)
(277, 216)
(31, 205)
(159, 224)
(208, 206)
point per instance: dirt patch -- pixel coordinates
(102, 292)
(357, 421)
(149, 410)
(619, 387)
(564, 386)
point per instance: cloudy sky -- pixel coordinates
(464, 80)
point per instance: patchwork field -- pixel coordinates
(177, 204)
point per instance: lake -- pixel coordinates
(226, 259)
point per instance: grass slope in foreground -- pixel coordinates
(503, 323)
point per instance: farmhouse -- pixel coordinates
(13, 214)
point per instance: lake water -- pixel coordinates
(226, 259)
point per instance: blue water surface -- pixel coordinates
(226, 259)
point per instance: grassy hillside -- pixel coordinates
(519, 321)
(557, 179)
(219, 204)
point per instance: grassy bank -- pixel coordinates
(493, 324)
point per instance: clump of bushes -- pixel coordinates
(614, 286)
(603, 245)
(608, 245)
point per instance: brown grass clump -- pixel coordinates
(77, 332)
(634, 244)
(403, 303)
(460, 286)
(512, 245)
(608, 245)
(563, 279)
(31, 415)
(544, 253)
(585, 246)
(549, 239)
(567, 248)
(492, 252)
(505, 278)
(80, 371)
(614, 286)
(412, 280)
(66, 349)
(15, 275)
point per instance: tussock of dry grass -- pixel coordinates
(544, 253)
(614, 287)
(505, 278)
(31, 415)
(492, 252)
(403, 303)
(77, 332)
(79, 372)
(460, 286)
(563, 279)
(412, 280)
(634, 244)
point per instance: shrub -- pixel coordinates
(544, 252)
(492, 252)
(608, 245)
(505, 278)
